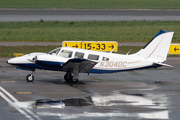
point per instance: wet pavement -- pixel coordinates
(144, 94)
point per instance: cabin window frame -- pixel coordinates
(81, 54)
(90, 56)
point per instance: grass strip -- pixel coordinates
(8, 51)
(121, 31)
(91, 4)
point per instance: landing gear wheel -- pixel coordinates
(30, 77)
(68, 77)
(75, 80)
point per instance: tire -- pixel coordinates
(68, 77)
(30, 78)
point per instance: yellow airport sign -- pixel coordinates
(18, 54)
(100, 46)
(74, 44)
(174, 49)
(93, 45)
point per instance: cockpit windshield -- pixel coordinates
(55, 51)
(66, 53)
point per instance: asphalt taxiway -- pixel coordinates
(144, 94)
(7, 15)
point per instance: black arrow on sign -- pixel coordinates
(112, 46)
(75, 46)
(175, 49)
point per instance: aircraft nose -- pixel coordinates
(11, 61)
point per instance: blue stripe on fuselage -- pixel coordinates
(35, 66)
(49, 64)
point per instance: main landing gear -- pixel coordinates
(30, 77)
(70, 78)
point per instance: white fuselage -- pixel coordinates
(107, 62)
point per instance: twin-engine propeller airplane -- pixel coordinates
(74, 61)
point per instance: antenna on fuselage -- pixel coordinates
(112, 49)
(128, 51)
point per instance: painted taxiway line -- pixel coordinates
(8, 81)
(24, 93)
(12, 101)
(17, 108)
(59, 93)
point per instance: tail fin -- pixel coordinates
(158, 47)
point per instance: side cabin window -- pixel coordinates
(105, 59)
(66, 53)
(79, 55)
(93, 57)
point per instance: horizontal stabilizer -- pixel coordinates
(162, 64)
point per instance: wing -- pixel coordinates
(78, 64)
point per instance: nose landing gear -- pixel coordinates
(30, 77)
